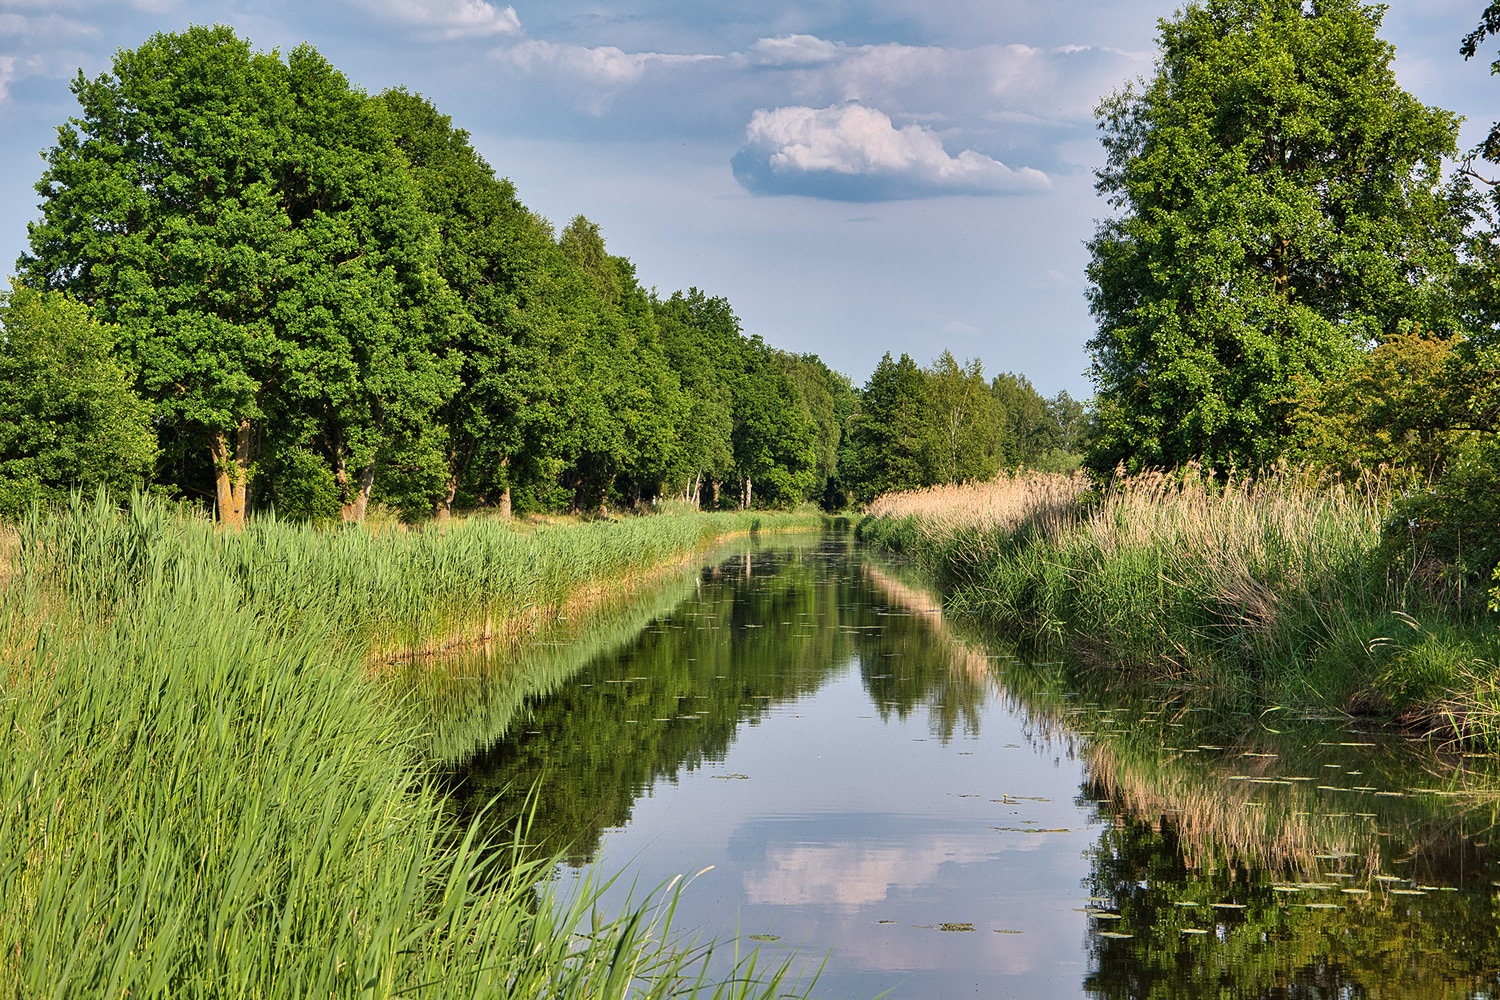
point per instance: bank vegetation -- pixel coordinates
(1284, 589)
(210, 793)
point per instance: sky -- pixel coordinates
(855, 178)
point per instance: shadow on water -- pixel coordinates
(1226, 856)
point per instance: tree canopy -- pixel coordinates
(1281, 208)
(322, 298)
(69, 417)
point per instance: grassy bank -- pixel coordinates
(1269, 592)
(209, 794)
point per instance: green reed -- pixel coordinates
(208, 796)
(1272, 591)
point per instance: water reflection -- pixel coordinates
(937, 816)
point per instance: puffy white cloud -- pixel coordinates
(449, 18)
(856, 153)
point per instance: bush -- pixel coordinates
(302, 488)
(1455, 521)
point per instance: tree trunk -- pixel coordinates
(445, 506)
(232, 475)
(354, 510)
(745, 505)
(505, 494)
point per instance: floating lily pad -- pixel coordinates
(956, 927)
(764, 937)
(1194, 930)
(1114, 934)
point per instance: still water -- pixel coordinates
(921, 813)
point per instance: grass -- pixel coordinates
(1267, 591)
(209, 795)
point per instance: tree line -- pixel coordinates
(280, 292)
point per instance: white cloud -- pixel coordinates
(15, 68)
(851, 874)
(857, 153)
(794, 50)
(449, 18)
(45, 29)
(599, 73)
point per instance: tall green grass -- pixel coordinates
(1271, 591)
(386, 594)
(206, 795)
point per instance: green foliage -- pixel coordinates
(1270, 592)
(300, 487)
(966, 436)
(1396, 406)
(69, 417)
(892, 431)
(247, 817)
(250, 226)
(303, 274)
(1281, 206)
(920, 427)
(1454, 520)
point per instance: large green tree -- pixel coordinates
(892, 432)
(250, 226)
(499, 260)
(967, 433)
(69, 418)
(1280, 208)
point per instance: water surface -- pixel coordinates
(923, 813)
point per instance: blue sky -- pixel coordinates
(855, 178)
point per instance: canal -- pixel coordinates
(859, 785)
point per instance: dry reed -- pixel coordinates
(1271, 587)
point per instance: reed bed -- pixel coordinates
(207, 795)
(400, 593)
(1270, 589)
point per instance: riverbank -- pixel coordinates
(1275, 592)
(210, 793)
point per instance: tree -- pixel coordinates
(1029, 430)
(1280, 209)
(967, 431)
(1397, 406)
(891, 431)
(830, 400)
(1489, 24)
(700, 335)
(69, 418)
(251, 228)
(497, 257)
